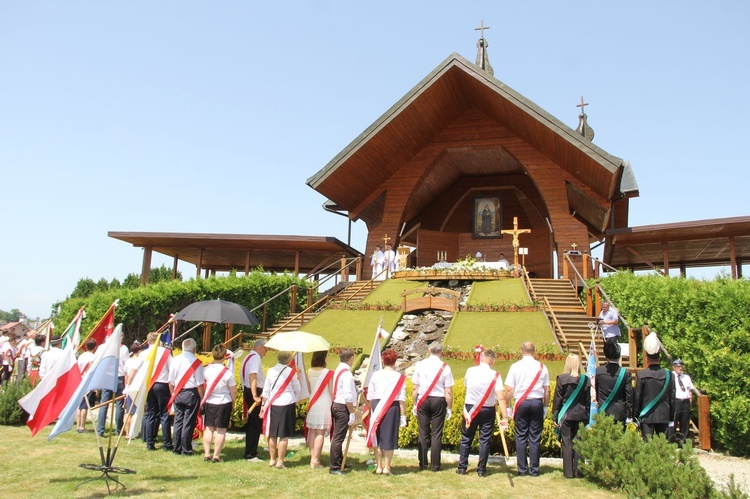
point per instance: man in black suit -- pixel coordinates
(620, 406)
(654, 399)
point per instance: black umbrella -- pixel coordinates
(219, 311)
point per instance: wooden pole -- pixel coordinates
(146, 265)
(174, 266)
(704, 422)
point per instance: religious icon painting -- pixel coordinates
(487, 219)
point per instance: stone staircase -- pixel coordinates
(570, 313)
(351, 292)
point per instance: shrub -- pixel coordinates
(10, 412)
(623, 461)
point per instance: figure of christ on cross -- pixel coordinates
(515, 233)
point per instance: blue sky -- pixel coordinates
(190, 116)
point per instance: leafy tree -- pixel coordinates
(12, 316)
(84, 287)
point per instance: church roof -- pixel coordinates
(454, 87)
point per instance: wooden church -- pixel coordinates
(450, 165)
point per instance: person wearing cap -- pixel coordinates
(683, 398)
(654, 396)
(51, 357)
(613, 377)
(609, 320)
(253, 379)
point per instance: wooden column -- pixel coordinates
(739, 269)
(344, 269)
(644, 333)
(586, 265)
(200, 264)
(205, 273)
(732, 257)
(247, 262)
(206, 336)
(683, 270)
(666, 258)
(633, 357)
(228, 330)
(704, 423)
(146, 265)
(296, 262)
(358, 268)
(174, 266)
(293, 299)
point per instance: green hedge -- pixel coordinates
(707, 324)
(146, 308)
(10, 412)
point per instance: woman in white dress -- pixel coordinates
(318, 421)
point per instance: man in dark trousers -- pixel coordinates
(609, 375)
(186, 382)
(253, 379)
(433, 404)
(654, 398)
(343, 408)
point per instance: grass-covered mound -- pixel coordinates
(506, 330)
(389, 292)
(500, 292)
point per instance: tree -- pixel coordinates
(84, 287)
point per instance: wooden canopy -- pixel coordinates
(699, 243)
(224, 252)
(461, 134)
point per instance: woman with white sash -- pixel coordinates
(318, 421)
(387, 393)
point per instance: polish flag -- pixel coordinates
(45, 402)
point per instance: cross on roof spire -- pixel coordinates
(481, 29)
(582, 105)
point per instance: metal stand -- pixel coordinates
(106, 471)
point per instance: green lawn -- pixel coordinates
(38, 468)
(506, 329)
(504, 291)
(390, 291)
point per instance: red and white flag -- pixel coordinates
(45, 402)
(104, 327)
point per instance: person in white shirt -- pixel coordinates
(528, 383)
(51, 356)
(683, 387)
(186, 382)
(107, 395)
(433, 403)
(34, 358)
(158, 395)
(221, 392)
(390, 260)
(8, 353)
(253, 379)
(131, 368)
(343, 409)
(609, 320)
(84, 362)
(279, 397)
(384, 385)
(485, 386)
(377, 262)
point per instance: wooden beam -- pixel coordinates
(666, 258)
(296, 263)
(146, 264)
(643, 259)
(200, 263)
(174, 265)
(247, 262)
(732, 257)
(704, 423)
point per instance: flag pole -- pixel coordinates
(99, 323)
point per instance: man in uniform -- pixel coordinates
(158, 395)
(433, 403)
(609, 320)
(483, 386)
(654, 397)
(51, 356)
(343, 408)
(253, 379)
(528, 383)
(620, 406)
(683, 398)
(186, 382)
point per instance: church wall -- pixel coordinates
(429, 242)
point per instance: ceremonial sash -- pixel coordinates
(162, 361)
(432, 385)
(322, 385)
(381, 410)
(571, 399)
(612, 394)
(199, 421)
(478, 407)
(243, 371)
(266, 416)
(531, 386)
(656, 400)
(183, 381)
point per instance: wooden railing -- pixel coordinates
(430, 301)
(529, 286)
(558, 328)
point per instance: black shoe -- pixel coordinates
(435, 469)
(190, 453)
(460, 472)
(176, 453)
(481, 474)
(534, 474)
(335, 472)
(168, 448)
(522, 473)
(150, 447)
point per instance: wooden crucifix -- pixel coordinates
(515, 233)
(385, 241)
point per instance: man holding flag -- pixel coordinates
(343, 408)
(484, 388)
(158, 392)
